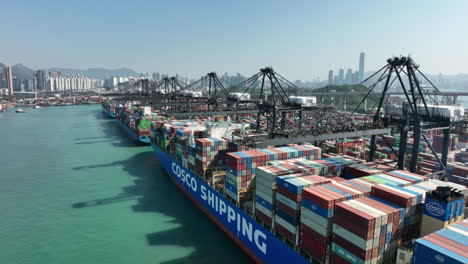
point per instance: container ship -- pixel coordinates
(302, 203)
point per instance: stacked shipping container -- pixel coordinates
(210, 153)
(360, 170)
(317, 213)
(364, 231)
(288, 202)
(265, 192)
(448, 245)
(410, 205)
(241, 166)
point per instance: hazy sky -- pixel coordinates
(300, 39)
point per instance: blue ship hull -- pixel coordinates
(108, 114)
(256, 241)
(133, 135)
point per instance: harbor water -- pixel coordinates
(75, 189)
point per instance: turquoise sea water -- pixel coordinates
(75, 189)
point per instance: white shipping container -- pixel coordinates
(280, 221)
(263, 209)
(290, 203)
(324, 231)
(323, 222)
(266, 197)
(265, 190)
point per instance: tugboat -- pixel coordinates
(20, 110)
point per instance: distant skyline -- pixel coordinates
(301, 39)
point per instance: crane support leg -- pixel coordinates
(301, 119)
(373, 146)
(445, 146)
(416, 143)
(283, 120)
(402, 149)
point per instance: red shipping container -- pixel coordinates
(309, 232)
(337, 197)
(336, 259)
(314, 248)
(263, 217)
(290, 195)
(389, 195)
(354, 221)
(285, 233)
(318, 198)
(288, 210)
(354, 194)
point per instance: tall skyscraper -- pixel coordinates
(361, 66)
(330, 77)
(349, 76)
(341, 76)
(9, 79)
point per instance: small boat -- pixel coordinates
(20, 110)
(36, 107)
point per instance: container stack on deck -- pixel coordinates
(410, 204)
(183, 151)
(365, 231)
(448, 245)
(317, 213)
(265, 192)
(327, 167)
(210, 153)
(360, 170)
(241, 166)
(288, 203)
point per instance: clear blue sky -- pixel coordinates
(300, 39)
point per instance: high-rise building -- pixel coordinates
(156, 76)
(356, 77)
(9, 79)
(361, 66)
(54, 74)
(68, 82)
(18, 84)
(349, 76)
(341, 76)
(330, 77)
(41, 79)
